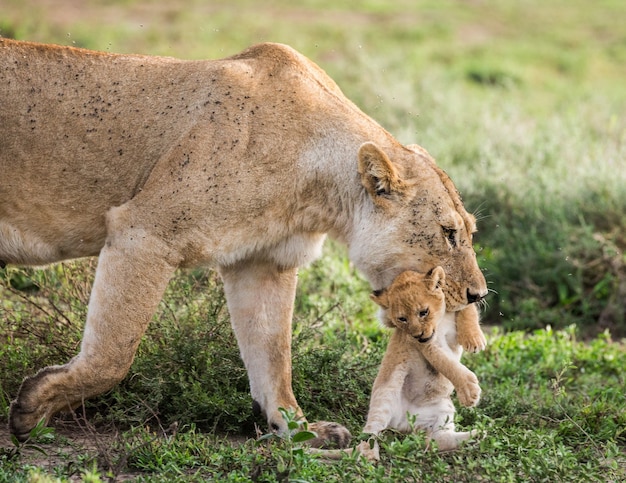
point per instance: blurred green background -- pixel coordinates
(522, 102)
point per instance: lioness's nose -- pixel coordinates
(474, 297)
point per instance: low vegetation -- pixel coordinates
(552, 408)
(523, 105)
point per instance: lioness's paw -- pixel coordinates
(22, 420)
(19, 426)
(469, 391)
(329, 435)
(27, 409)
(472, 341)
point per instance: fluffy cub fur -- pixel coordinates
(422, 364)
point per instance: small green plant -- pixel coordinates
(38, 436)
(91, 475)
(297, 433)
(297, 429)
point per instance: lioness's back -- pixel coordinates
(122, 112)
(94, 126)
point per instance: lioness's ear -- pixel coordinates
(435, 278)
(378, 174)
(381, 298)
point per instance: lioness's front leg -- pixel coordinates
(260, 299)
(130, 279)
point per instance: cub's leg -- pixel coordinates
(449, 440)
(468, 332)
(130, 279)
(260, 299)
(443, 431)
(386, 400)
(464, 381)
(385, 403)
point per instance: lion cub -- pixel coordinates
(422, 364)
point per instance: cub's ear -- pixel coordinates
(378, 174)
(381, 298)
(435, 278)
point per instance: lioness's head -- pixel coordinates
(414, 302)
(415, 221)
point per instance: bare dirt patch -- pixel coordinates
(77, 446)
(73, 448)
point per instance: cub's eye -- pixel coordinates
(402, 320)
(423, 313)
(450, 234)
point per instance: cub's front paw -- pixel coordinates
(329, 435)
(472, 341)
(469, 391)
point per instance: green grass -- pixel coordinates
(553, 406)
(523, 104)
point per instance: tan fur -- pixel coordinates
(421, 366)
(242, 164)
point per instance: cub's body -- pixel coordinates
(413, 386)
(422, 367)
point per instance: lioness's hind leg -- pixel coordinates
(130, 279)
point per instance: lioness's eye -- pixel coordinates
(424, 313)
(402, 320)
(450, 234)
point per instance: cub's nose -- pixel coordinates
(474, 297)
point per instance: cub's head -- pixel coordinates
(414, 302)
(412, 218)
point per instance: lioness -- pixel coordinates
(243, 164)
(422, 364)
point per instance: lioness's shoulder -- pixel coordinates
(281, 59)
(271, 52)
